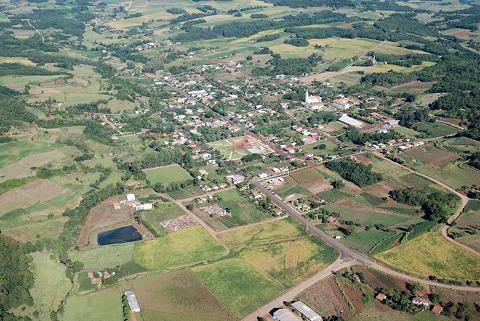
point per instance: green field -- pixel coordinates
(242, 210)
(189, 246)
(364, 241)
(226, 148)
(50, 287)
(240, 287)
(98, 306)
(430, 254)
(168, 174)
(102, 257)
(280, 250)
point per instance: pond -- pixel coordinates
(119, 235)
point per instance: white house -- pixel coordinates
(130, 197)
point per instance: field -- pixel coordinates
(242, 210)
(50, 287)
(467, 223)
(441, 164)
(162, 212)
(280, 251)
(102, 257)
(380, 312)
(168, 174)
(433, 256)
(311, 179)
(367, 240)
(99, 306)
(161, 296)
(240, 287)
(189, 246)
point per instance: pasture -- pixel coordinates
(98, 258)
(240, 287)
(187, 247)
(168, 174)
(433, 256)
(178, 296)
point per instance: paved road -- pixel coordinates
(347, 253)
(292, 293)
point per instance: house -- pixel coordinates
(236, 179)
(421, 301)
(305, 311)
(130, 197)
(437, 309)
(351, 121)
(381, 297)
(132, 301)
(285, 315)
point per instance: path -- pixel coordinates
(292, 293)
(35, 29)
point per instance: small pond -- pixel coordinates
(119, 235)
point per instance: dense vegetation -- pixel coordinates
(437, 206)
(357, 173)
(15, 278)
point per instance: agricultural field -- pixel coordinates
(465, 229)
(289, 256)
(433, 256)
(440, 163)
(238, 285)
(187, 247)
(168, 174)
(161, 295)
(103, 257)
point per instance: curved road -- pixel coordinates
(347, 253)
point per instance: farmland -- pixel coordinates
(433, 256)
(183, 248)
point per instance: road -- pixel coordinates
(463, 202)
(292, 293)
(347, 253)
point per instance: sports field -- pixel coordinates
(227, 148)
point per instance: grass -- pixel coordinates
(238, 285)
(242, 210)
(366, 240)
(279, 250)
(176, 296)
(186, 247)
(430, 254)
(435, 129)
(373, 312)
(225, 147)
(168, 174)
(51, 284)
(367, 216)
(98, 306)
(162, 212)
(102, 257)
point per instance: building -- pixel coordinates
(130, 197)
(381, 297)
(132, 301)
(421, 301)
(437, 309)
(285, 315)
(305, 311)
(313, 102)
(351, 121)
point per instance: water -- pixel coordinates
(119, 235)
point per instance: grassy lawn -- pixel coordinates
(105, 256)
(98, 306)
(243, 211)
(168, 174)
(177, 249)
(430, 254)
(238, 285)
